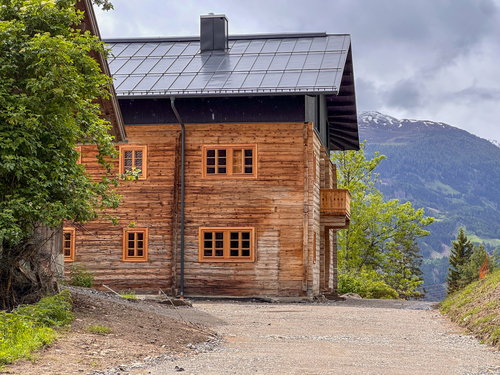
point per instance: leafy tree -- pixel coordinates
(48, 86)
(460, 254)
(469, 271)
(383, 235)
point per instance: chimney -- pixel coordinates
(213, 32)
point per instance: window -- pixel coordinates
(134, 157)
(135, 245)
(69, 244)
(230, 161)
(227, 245)
(79, 150)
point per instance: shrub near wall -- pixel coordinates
(29, 327)
(365, 286)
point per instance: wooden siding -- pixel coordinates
(149, 204)
(282, 204)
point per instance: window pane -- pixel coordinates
(128, 162)
(210, 161)
(245, 253)
(138, 163)
(222, 170)
(219, 244)
(248, 152)
(131, 245)
(245, 235)
(208, 235)
(128, 154)
(207, 244)
(140, 244)
(235, 244)
(138, 154)
(210, 153)
(140, 236)
(222, 161)
(140, 253)
(245, 244)
(131, 236)
(67, 236)
(219, 253)
(222, 153)
(248, 161)
(235, 235)
(219, 235)
(207, 253)
(210, 170)
(130, 252)
(67, 252)
(233, 253)
(248, 170)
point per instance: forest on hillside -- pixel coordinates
(451, 173)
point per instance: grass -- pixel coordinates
(477, 308)
(99, 330)
(29, 327)
(128, 295)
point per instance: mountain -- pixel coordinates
(452, 174)
(496, 143)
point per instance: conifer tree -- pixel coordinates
(460, 255)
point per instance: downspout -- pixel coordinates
(183, 142)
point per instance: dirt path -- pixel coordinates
(353, 337)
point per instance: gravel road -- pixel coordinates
(350, 337)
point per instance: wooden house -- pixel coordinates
(232, 135)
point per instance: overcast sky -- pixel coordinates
(435, 60)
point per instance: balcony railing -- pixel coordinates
(336, 202)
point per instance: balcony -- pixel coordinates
(335, 208)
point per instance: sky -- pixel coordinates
(436, 60)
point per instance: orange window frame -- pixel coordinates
(234, 244)
(229, 161)
(69, 244)
(135, 245)
(144, 161)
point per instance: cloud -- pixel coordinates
(411, 58)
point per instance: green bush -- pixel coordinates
(28, 328)
(367, 286)
(79, 276)
(50, 311)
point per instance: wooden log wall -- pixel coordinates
(282, 203)
(149, 203)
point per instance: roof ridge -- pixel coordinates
(231, 37)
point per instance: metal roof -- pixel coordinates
(284, 64)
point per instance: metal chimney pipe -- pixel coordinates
(214, 32)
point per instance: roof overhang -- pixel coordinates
(342, 115)
(110, 109)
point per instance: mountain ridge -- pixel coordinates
(452, 174)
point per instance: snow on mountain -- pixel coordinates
(496, 143)
(373, 117)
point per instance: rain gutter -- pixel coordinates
(183, 142)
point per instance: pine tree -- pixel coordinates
(460, 254)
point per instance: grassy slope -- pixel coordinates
(477, 308)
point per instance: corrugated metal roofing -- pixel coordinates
(253, 65)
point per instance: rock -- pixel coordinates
(352, 296)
